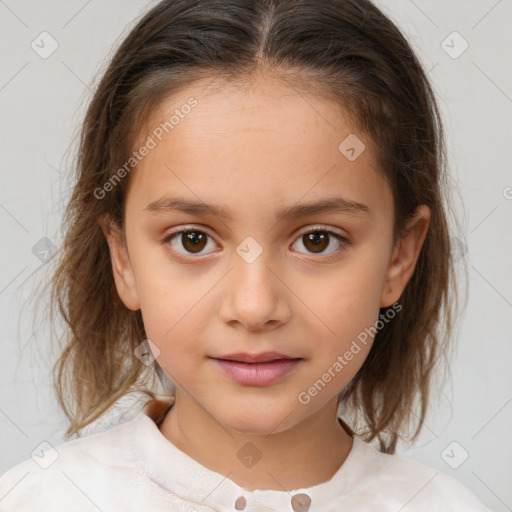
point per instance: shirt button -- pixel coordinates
(301, 503)
(240, 503)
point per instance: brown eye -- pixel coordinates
(319, 240)
(316, 241)
(191, 241)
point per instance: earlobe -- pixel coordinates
(405, 256)
(122, 270)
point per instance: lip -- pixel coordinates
(270, 368)
(262, 357)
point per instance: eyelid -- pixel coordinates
(321, 227)
(306, 229)
(188, 227)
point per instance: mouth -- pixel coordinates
(262, 357)
(257, 369)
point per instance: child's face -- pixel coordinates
(251, 283)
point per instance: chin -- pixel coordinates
(256, 420)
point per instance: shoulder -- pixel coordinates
(409, 485)
(75, 475)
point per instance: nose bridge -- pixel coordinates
(254, 295)
(251, 267)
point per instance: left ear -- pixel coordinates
(405, 256)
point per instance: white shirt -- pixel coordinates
(134, 467)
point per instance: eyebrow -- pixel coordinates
(334, 204)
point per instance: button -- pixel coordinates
(301, 503)
(240, 503)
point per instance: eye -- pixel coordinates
(194, 241)
(318, 240)
(188, 241)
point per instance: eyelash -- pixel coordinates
(320, 228)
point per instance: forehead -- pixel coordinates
(257, 145)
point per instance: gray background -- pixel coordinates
(42, 101)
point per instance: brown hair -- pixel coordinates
(346, 50)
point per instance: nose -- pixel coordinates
(253, 295)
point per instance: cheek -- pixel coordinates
(166, 302)
(349, 294)
(172, 320)
(342, 307)
(175, 315)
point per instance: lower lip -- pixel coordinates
(257, 374)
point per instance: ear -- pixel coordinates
(405, 256)
(122, 270)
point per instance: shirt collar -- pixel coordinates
(189, 480)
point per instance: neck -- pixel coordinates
(305, 455)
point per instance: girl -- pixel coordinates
(258, 219)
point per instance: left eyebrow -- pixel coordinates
(334, 204)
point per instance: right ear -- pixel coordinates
(122, 270)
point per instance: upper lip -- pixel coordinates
(262, 357)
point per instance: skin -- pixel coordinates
(255, 150)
